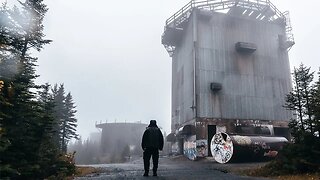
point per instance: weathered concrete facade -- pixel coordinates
(228, 70)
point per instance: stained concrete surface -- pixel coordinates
(177, 168)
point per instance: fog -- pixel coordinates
(109, 55)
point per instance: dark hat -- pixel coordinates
(153, 122)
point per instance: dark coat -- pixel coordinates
(152, 138)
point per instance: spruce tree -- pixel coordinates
(69, 124)
(7, 58)
(59, 112)
(20, 117)
(64, 113)
(306, 77)
(301, 155)
(49, 151)
(315, 106)
(299, 101)
(29, 130)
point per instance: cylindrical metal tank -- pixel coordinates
(226, 147)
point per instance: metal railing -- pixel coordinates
(268, 12)
(289, 33)
(216, 5)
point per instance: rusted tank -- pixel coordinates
(225, 148)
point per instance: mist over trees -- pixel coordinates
(118, 146)
(91, 151)
(32, 137)
(87, 151)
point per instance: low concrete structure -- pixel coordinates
(117, 137)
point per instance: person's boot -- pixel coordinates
(146, 173)
(155, 173)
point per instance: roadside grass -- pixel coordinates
(315, 176)
(265, 172)
(86, 170)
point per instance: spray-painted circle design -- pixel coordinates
(221, 147)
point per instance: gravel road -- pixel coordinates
(177, 168)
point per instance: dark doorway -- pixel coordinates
(282, 132)
(180, 146)
(211, 132)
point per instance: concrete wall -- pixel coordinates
(182, 80)
(253, 86)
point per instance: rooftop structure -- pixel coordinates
(261, 10)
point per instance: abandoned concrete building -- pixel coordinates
(117, 136)
(230, 74)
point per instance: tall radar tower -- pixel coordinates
(230, 71)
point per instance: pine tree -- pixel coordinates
(4, 140)
(7, 58)
(21, 119)
(299, 100)
(301, 156)
(315, 105)
(59, 112)
(46, 101)
(70, 122)
(306, 77)
(49, 151)
(64, 112)
(29, 130)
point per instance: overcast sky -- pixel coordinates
(109, 55)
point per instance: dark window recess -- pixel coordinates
(262, 131)
(215, 87)
(245, 47)
(251, 130)
(282, 132)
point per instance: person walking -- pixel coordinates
(152, 142)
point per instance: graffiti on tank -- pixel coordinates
(221, 147)
(270, 153)
(202, 148)
(175, 148)
(242, 140)
(190, 148)
(260, 147)
(221, 129)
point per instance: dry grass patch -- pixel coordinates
(315, 176)
(83, 171)
(262, 172)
